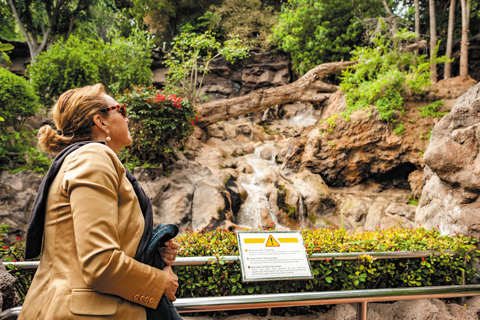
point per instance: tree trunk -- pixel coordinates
(308, 88)
(464, 43)
(451, 20)
(433, 43)
(417, 21)
(32, 43)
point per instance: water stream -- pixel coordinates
(256, 209)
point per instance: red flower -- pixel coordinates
(423, 259)
(196, 117)
(5, 247)
(193, 123)
(18, 238)
(15, 260)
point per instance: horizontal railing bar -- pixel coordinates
(193, 261)
(259, 301)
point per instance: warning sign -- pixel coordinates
(271, 242)
(273, 255)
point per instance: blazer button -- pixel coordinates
(147, 298)
(142, 298)
(151, 300)
(135, 297)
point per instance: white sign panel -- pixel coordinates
(273, 255)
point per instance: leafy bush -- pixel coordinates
(119, 64)
(385, 75)
(65, 66)
(221, 279)
(365, 272)
(431, 110)
(125, 62)
(18, 102)
(159, 121)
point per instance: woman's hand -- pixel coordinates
(172, 284)
(169, 252)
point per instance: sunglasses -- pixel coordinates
(122, 109)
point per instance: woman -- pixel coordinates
(92, 221)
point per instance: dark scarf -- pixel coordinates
(36, 223)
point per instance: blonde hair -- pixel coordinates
(73, 116)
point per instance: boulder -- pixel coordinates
(449, 198)
(8, 294)
(453, 88)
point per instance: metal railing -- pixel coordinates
(258, 301)
(193, 261)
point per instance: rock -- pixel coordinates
(8, 294)
(209, 207)
(319, 205)
(148, 174)
(453, 88)
(284, 202)
(292, 153)
(17, 194)
(453, 186)
(415, 179)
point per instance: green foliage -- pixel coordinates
(165, 18)
(18, 102)
(159, 122)
(431, 110)
(249, 20)
(4, 49)
(221, 279)
(119, 64)
(189, 60)
(65, 66)
(412, 201)
(126, 62)
(12, 253)
(317, 31)
(385, 75)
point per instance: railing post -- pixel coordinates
(362, 311)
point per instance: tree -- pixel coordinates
(249, 20)
(165, 18)
(41, 22)
(417, 21)
(464, 44)
(433, 43)
(318, 31)
(451, 21)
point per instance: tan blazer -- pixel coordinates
(93, 225)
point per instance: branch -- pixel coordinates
(305, 89)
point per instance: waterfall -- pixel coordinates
(256, 185)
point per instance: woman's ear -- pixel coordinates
(100, 124)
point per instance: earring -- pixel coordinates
(108, 139)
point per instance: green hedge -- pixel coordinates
(221, 279)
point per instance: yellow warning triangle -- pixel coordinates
(271, 242)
